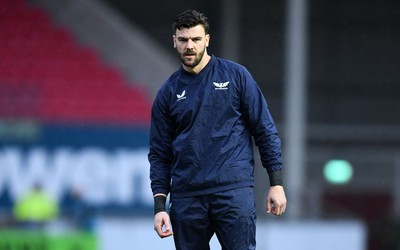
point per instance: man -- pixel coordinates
(201, 150)
(35, 208)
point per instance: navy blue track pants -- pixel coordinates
(231, 215)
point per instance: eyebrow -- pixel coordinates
(187, 38)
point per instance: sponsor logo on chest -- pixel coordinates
(181, 96)
(221, 85)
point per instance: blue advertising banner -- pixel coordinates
(107, 164)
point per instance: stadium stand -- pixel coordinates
(46, 75)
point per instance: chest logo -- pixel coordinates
(181, 96)
(221, 85)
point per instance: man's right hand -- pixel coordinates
(162, 225)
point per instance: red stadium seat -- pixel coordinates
(49, 76)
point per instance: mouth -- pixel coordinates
(189, 54)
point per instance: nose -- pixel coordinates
(189, 44)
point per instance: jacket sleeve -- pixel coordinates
(160, 152)
(261, 124)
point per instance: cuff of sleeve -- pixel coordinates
(159, 204)
(275, 178)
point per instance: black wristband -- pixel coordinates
(275, 178)
(159, 203)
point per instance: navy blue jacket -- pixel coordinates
(201, 129)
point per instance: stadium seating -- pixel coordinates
(48, 76)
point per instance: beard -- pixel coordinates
(189, 62)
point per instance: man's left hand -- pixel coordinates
(276, 200)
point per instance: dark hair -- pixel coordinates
(189, 19)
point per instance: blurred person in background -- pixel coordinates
(201, 150)
(35, 208)
(79, 214)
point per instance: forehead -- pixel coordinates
(195, 31)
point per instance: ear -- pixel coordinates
(174, 40)
(207, 40)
